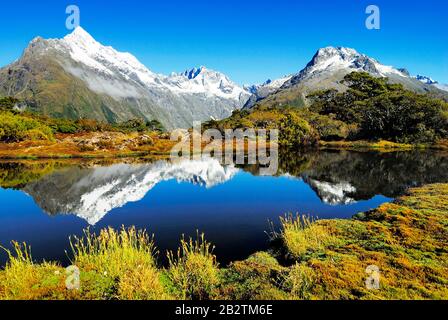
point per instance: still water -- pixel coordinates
(43, 203)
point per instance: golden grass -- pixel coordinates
(302, 236)
(327, 259)
(300, 281)
(406, 240)
(110, 145)
(194, 270)
(381, 145)
(112, 252)
(23, 280)
(142, 283)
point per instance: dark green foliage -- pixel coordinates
(155, 125)
(384, 111)
(295, 132)
(8, 103)
(133, 125)
(140, 125)
(64, 126)
(14, 128)
(405, 117)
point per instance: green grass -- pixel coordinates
(15, 128)
(301, 236)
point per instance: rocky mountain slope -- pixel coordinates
(430, 81)
(261, 91)
(77, 77)
(329, 66)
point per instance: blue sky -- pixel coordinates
(249, 40)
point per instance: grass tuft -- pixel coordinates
(301, 235)
(112, 252)
(23, 280)
(194, 270)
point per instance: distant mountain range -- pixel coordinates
(326, 70)
(77, 77)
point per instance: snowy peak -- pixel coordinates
(269, 84)
(334, 54)
(82, 38)
(431, 82)
(425, 79)
(330, 63)
(121, 87)
(331, 58)
(84, 49)
(327, 70)
(209, 82)
(261, 91)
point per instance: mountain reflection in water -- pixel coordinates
(232, 204)
(91, 193)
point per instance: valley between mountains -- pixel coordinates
(74, 97)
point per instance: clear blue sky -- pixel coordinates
(247, 39)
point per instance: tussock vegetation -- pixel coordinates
(113, 252)
(301, 236)
(22, 279)
(194, 270)
(324, 259)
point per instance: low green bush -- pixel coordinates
(14, 128)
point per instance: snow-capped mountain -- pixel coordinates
(261, 91)
(425, 79)
(204, 81)
(333, 193)
(101, 82)
(92, 193)
(326, 70)
(430, 81)
(330, 61)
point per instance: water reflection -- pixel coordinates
(90, 191)
(43, 203)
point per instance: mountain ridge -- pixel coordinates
(117, 86)
(326, 70)
(78, 77)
